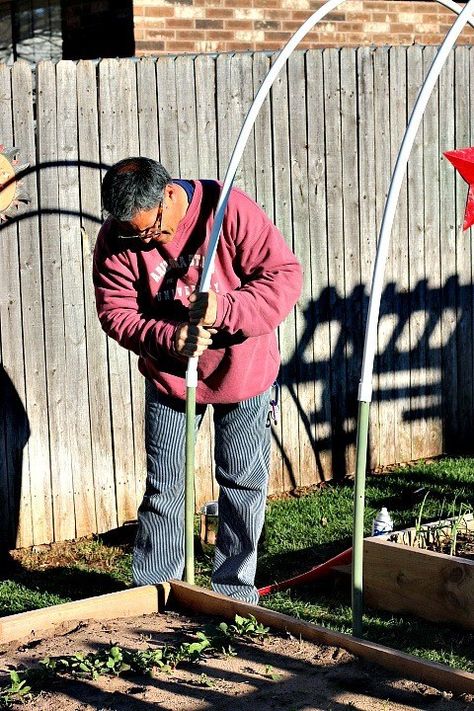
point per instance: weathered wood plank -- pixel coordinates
(436, 586)
(433, 249)
(265, 198)
(287, 331)
(303, 347)
(400, 307)
(37, 524)
(168, 114)
(372, 77)
(438, 675)
(55, 338)
(449, 220)
(334, 196)
(144, 600)
(318, 320)
(90, 169)
(205, 79)
(352, 272)
(416, 275)
(147, 108)
(119, 139)
(15, 424)
(78, 427)
(462, 110)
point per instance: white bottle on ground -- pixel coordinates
(382, 523)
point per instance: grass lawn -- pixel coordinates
(300, 532)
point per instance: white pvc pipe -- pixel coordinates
(191, 372)
(370, 343)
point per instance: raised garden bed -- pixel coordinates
(410, 571)
(300, 665)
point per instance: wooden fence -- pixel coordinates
(319, 162)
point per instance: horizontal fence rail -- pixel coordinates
(319, 162)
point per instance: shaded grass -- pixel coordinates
(300, 532)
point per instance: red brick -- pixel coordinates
(179, 23)
(149, 46)
(239, 25)
(159, 11)
(209, 24)
(219, 12)
(221, 35)
(159, 34)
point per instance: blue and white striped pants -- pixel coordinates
(242, 457)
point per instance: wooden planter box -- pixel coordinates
(399, 576)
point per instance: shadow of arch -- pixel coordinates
(14, 434)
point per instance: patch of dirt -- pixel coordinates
(279, 673)
(464, 545)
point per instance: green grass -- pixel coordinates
(299, 533)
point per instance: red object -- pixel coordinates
(463, 161)
(319, 571)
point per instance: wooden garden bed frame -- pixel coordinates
(150, 599)
(400, 577)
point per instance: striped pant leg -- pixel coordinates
(158, 553)
(242, 452)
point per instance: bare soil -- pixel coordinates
(464, 545)
(279, 673)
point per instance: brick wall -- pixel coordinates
(177, 26)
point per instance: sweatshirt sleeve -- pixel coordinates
(115, 278)
(271, 276)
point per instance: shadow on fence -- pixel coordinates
(15, 432)
(429, 368)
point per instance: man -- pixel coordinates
(147, 264)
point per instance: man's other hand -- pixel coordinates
(191, 340)
(203, 308)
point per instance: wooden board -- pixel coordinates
(207, 602)
(318, 317)
(435, 586)
(151, 599)
(55, 345)
(77, 390)
(125, 603)
(14, 419)
(37, 524)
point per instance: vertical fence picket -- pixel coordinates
(119, 139)
(416, 261)
(464, 333)
(78, 422)
(205, 80)
(432, 336)
(399, 346)
(41, 528)
(350, 206)
(373, 125)
(283, 219)
(334, 149)
(168, 114)
(303, 353)
(97, 372)
(14, 476)
(264, 195)
(449, 220)
(59, 410)
(318, 231)
(147, 108)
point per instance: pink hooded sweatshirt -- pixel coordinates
(142, 293)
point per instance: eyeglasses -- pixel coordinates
(127, 231)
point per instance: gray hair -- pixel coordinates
(133, 185)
